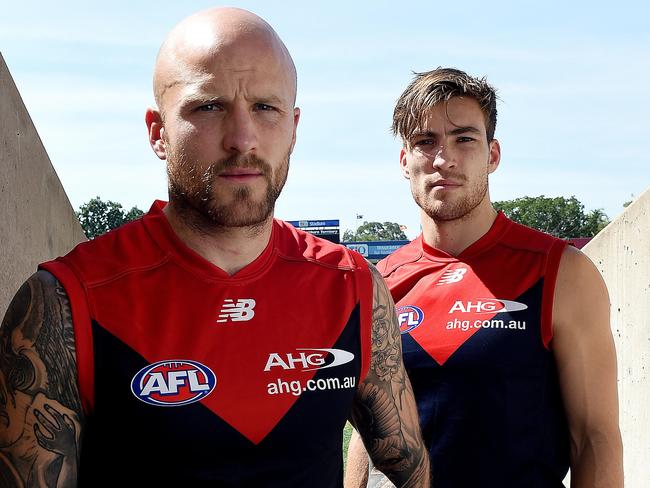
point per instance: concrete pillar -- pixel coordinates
(621, 252)
(37, 222)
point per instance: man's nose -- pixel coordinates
(443, 157)
(239, 131)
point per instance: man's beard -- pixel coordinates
(193, 196)
(454, 209)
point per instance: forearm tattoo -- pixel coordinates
(40, 409)
(385, 413)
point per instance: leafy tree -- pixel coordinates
(559, 216)
(375, 231)
(98, 217)
(134, 213)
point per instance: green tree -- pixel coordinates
(559, 216)
(375, 231)
(98, 217)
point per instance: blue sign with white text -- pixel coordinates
(375, 250)
(314, 223)
(325, 229)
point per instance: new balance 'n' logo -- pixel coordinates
(452, 276)
(239, 311)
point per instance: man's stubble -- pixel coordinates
(453, 209)
(194, 197)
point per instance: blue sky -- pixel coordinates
(573, 78)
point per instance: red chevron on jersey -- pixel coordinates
(476, 334)
(247, 366)
(454, 314)
(453, 294)
(186, 330)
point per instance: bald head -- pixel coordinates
(218, 38)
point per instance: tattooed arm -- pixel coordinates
(384, 413)
(40, 410)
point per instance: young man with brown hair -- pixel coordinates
(505, 330)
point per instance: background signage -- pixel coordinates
(325, 229)
(375, 250)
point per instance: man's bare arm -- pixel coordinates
(385, 414)
(357, 466)
(40, 410)
(586, 361)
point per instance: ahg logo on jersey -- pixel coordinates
(308, 359)
(451, 276)
(239, 311)
(173, 382)
(487, 305)
(409, 317)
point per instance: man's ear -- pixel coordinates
(155, 129)
(495, 156)
(403, 164)
(296, 118)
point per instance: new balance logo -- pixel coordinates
(239, 311)
(452, 276)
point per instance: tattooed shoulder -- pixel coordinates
(385, 413)
(386, 341)
(39, 398)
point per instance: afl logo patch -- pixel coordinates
(409, 317)
(173, 382)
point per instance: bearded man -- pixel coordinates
(208, 344)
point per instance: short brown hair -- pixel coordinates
(432, 87)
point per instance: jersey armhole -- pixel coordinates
(82, 329)
(550, 276)
(365, 288)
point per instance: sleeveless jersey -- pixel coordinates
(476, 331)
(192, 377)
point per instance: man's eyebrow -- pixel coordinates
(423, 133)
(206, 97)
(271, 99)
(462, 130)
(192, 98)
(455, 132)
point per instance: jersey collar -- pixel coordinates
(490, 238)
(159, 228)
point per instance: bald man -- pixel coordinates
(207, 344)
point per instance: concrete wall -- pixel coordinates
(622, 253)
(37, 221)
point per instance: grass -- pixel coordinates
(347, 432)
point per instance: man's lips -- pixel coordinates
(240, 174)
(445, 184)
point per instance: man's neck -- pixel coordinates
(228, 248)
(454, 236)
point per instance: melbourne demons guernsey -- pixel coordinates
(191, 377)
(476, 333)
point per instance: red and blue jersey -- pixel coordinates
(192, 377)
(476, 335)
